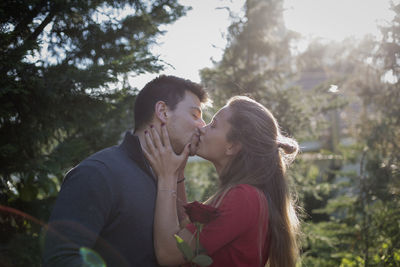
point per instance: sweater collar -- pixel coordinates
(131, 145)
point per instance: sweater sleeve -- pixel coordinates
(78, 216)
(238, 212)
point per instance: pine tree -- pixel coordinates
(257, 62)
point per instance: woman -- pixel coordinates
(257, 222)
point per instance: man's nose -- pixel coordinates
(201, 123)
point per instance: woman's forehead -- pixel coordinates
(223, 113)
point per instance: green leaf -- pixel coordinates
(184, 248)
(202, 260)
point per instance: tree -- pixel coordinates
(362, 197)
(379, 135)
(64, 93)
(257, 62)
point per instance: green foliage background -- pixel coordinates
(64, 95)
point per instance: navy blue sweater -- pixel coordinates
(106, 203)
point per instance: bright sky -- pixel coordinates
(193, 40)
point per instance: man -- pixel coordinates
(106, 204)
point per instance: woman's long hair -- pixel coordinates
(262, 162)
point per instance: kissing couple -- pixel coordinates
(126, 203)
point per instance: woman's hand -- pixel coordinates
(162, 158)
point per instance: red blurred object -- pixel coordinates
(201, 213)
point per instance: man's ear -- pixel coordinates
(161, 111)
(233, 148)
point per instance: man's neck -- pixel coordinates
(140, 135)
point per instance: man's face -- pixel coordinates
(184, 123)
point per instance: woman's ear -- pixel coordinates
(233, 148)
(161, 111)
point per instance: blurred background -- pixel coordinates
(328, 70)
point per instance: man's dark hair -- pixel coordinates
(169, 89)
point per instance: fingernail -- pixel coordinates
(162, 124)
(190, 145)
(151, 126)
(145, 132)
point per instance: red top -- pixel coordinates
(238, 237)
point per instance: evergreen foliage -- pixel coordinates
(64, 95)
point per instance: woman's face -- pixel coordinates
(213, 144)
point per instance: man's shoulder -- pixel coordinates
(105, 154)
(111, 156)
(105, 166)
(109, 160)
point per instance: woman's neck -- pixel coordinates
(220, 166)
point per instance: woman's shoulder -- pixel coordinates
(245, 189)
(246, 194)
(246, 200)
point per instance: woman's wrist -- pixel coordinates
(168, 191)
(167, 182)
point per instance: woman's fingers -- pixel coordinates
(152, 160)
(186, 151)
(165, 137)
(148, 155)
(149, 143)
(162, 158)
(156, 138)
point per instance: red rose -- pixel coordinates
(201, 213)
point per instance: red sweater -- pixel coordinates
(238, 237)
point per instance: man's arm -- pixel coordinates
(78, 216)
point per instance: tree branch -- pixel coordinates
(23, 24)
(16, 54)
(40, 28)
